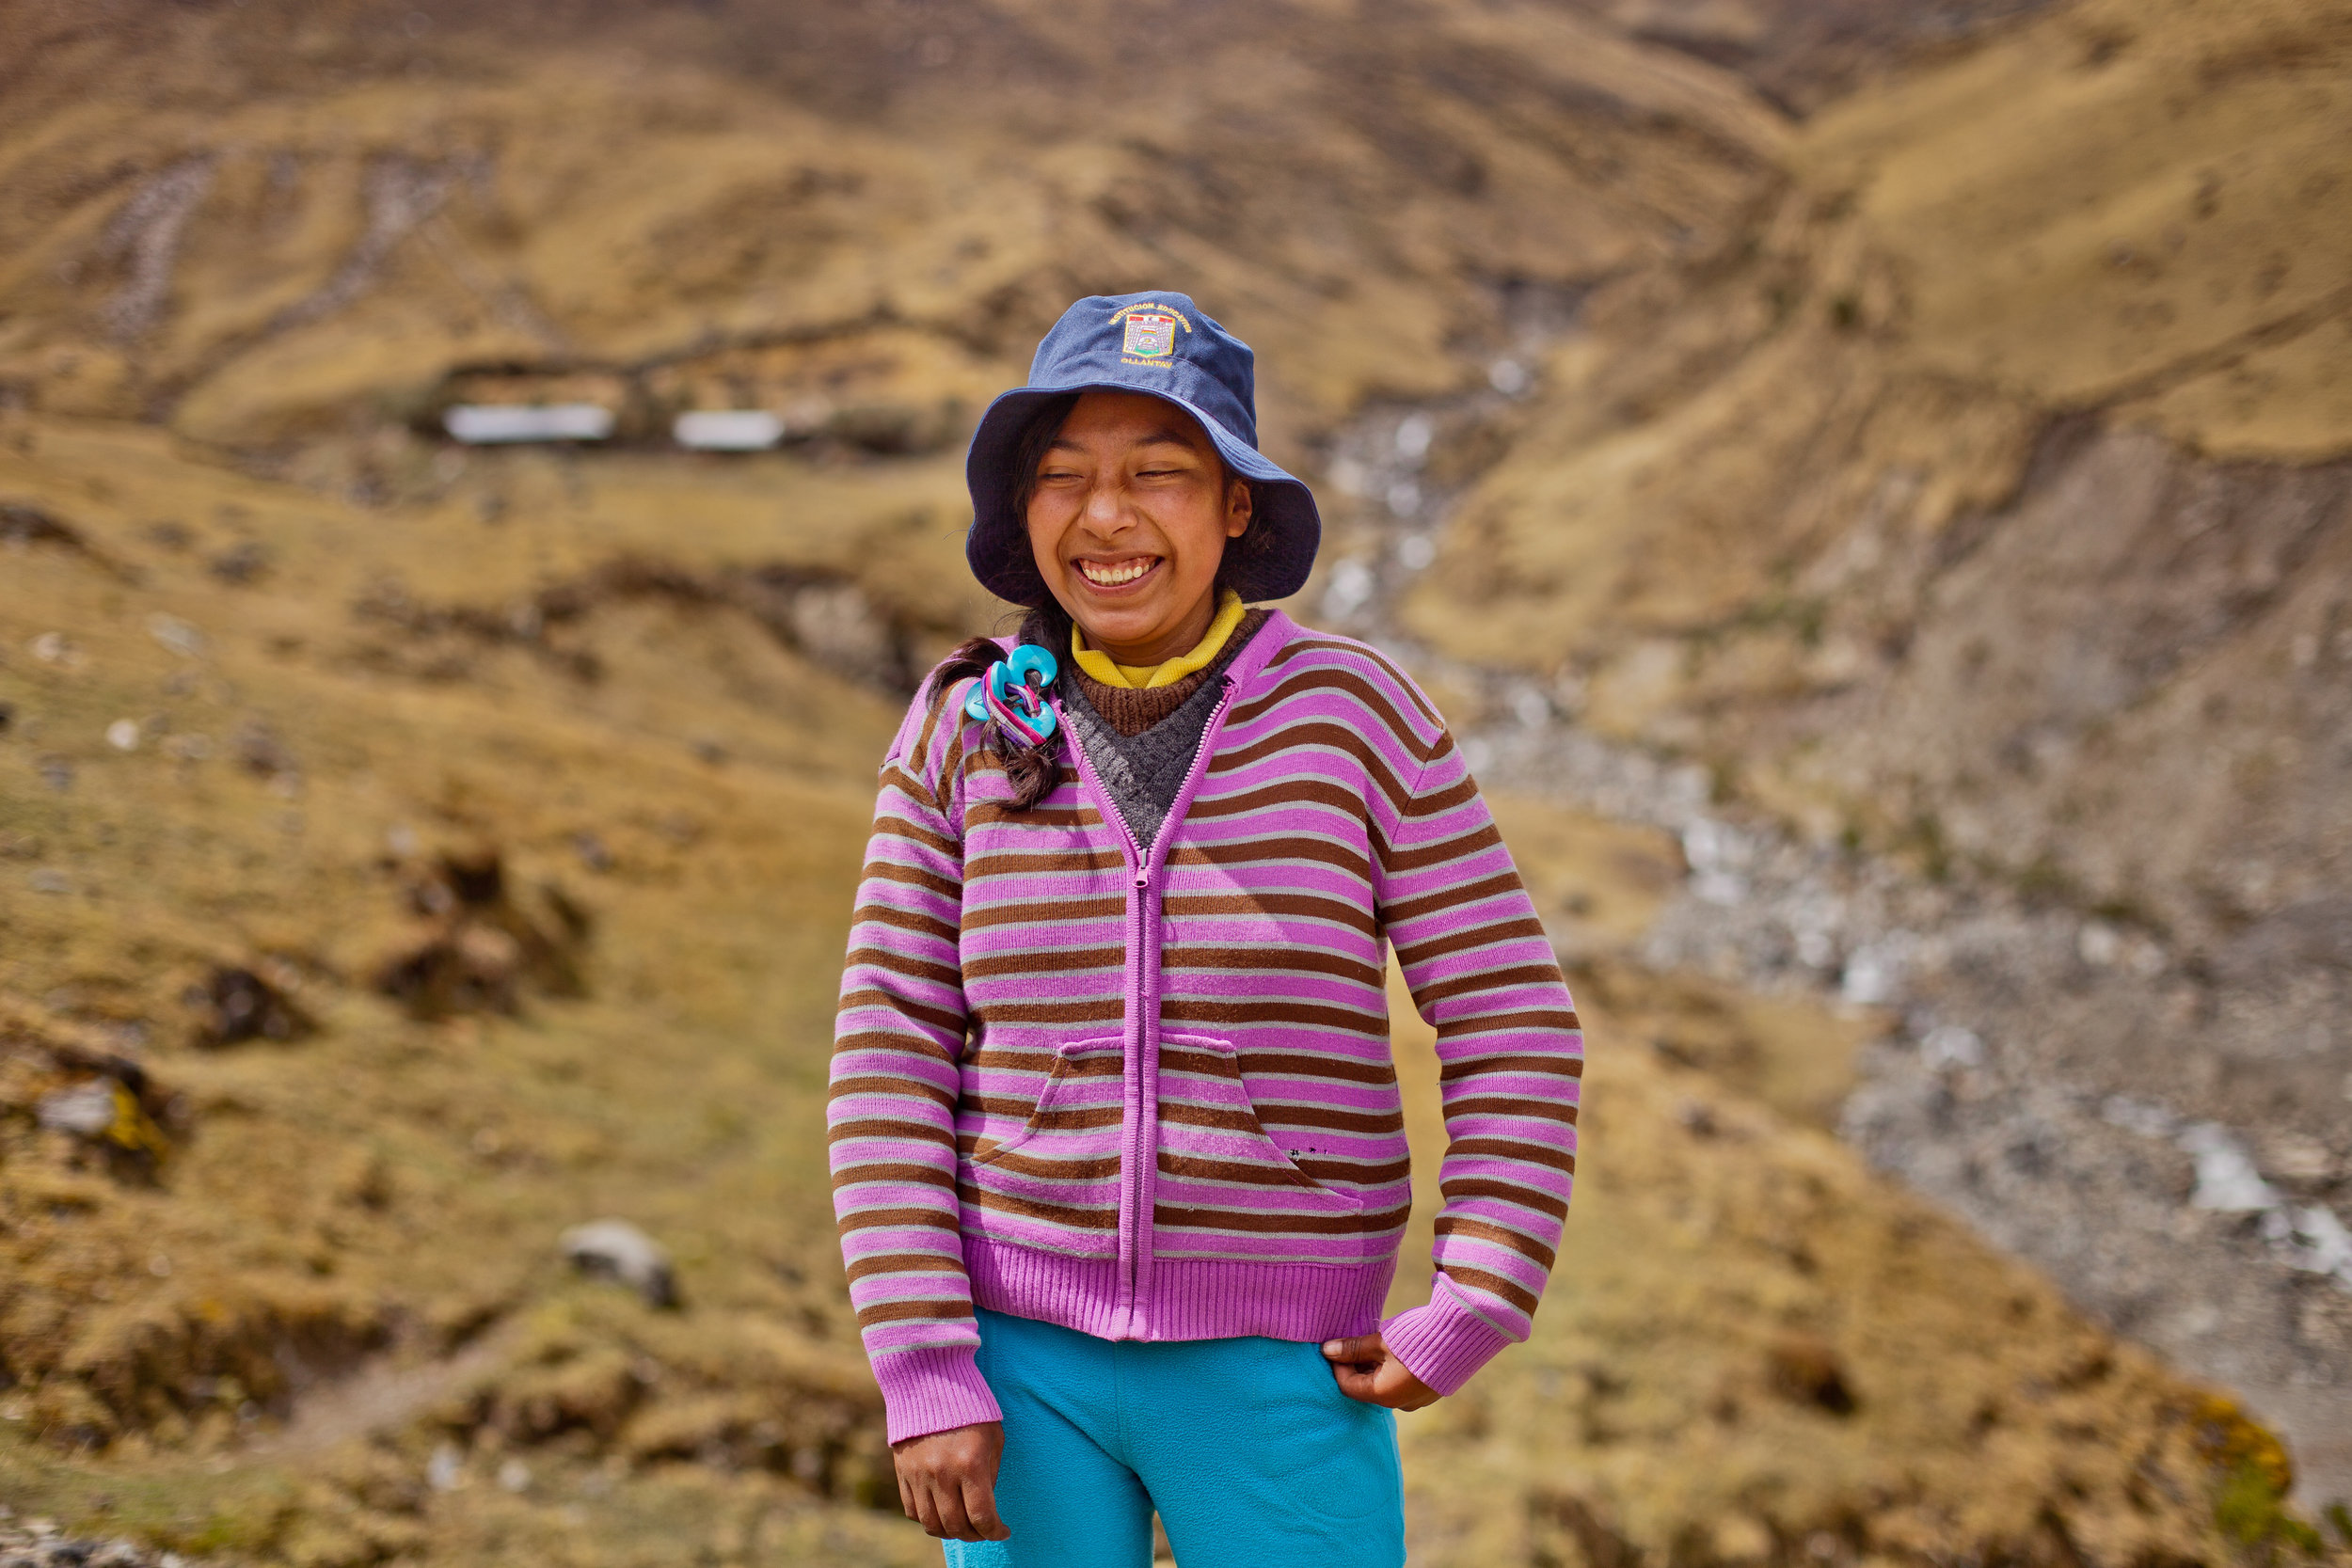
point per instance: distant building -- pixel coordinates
(483, 423)
(728, 430)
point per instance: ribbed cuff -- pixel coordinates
(1444, 1342)
(935, 1389)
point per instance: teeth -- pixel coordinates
(1111, 577)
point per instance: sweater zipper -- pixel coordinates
(1132, 1089)
(1143, 1000)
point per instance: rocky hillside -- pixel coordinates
(1986, 504)
(409, 853)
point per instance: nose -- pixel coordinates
(1106, 506)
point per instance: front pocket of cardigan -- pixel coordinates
(1053, 1184)
(1226, 1189)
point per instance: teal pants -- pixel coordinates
(1246, 1448)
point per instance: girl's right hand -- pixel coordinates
(947, 1481)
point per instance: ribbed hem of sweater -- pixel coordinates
(1180, 1298)
(1445, 1342)
(935, 1389)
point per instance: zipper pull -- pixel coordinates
(1143, 879)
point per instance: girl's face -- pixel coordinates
(1128, 522)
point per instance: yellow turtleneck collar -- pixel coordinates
(1228, 613)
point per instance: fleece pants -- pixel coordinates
(1245, 1446)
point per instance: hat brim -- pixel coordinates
(998, 545)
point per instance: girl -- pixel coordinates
(1117, 1148)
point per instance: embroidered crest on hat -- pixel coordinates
(1150, 333)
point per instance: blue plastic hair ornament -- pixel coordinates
(1013, 693)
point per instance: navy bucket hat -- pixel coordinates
(1160, 343)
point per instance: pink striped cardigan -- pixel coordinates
(1146, 1092)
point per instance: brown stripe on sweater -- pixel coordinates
(1509, 1289)
(1029, 914)
(1308, 960)
(878, 1127)
(909, 876)
(896, 1219)
(1009, 1107)
(1241, 1173)
(1219, 1118)
(1363, 1222)
(1471, 1024)
(1066, 962)
(1026, 1160)
(842, 1088)
(1516, 1105)
(921, 1046)
(1293, 847)
(902, 1263)
(1306, 906)
(1499, 885)
(1489, 981)
(904, 919)
(1268, 1063)
(1328, 678)
(1204, 1218)
(1092, 1215)
(1503, 1192)
(1501, 1236)
(1064, 862)
(906, 832)
(1460, 942)
(1366, 1123)
(1077, 1118)
(941, 1018)
(1513, 1148)
(1396, 862)
(1319, 732)
(1043, 815)
(1550, 1066)
(934, 709)
(1461, 792)
(927, 1176)
(913, 785)
(1310, 643)
(903, 966)
(1185, 1053)
(1094, 1010)
(1273, 796)
(1232, 1012)
(1001, 1058)
(1328, 1169)
(898, 1311)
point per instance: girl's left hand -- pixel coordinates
(1368, 1372)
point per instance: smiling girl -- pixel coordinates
(1118, 1151)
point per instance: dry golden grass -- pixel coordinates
(347, 1257)
(646, 682)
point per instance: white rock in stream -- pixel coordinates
(2225, 1177)
(1351, 588)
(1412, 437)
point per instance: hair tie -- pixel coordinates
(1013, 693)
